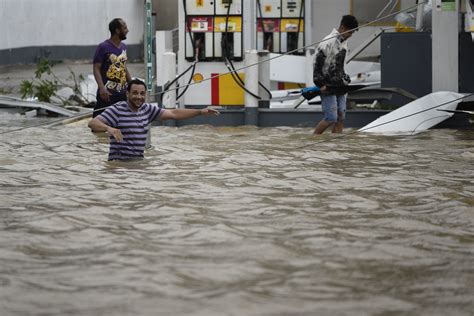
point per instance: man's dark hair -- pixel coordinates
(349, 22)
(135, 81)
(114, 25)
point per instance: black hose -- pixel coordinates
(259, 6)
(189, 82)
(224, 44)
(169, 84)
(187, 26)
(193, 66)
(299, 25)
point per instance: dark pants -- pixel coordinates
(101, 105)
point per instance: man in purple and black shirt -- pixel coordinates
(127, 122)
(110, 68)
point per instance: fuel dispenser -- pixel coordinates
(199, 39)
(213, 30)
(268, 25)
(280, 25)
(199, 20)
(292, 26)
(228, 42)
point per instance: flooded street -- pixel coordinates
(236, 221)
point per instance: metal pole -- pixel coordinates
(148, 59)
(148, 48)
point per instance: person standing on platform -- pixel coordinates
(110, 67)
(329, 75)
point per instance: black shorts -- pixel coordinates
(101, 105)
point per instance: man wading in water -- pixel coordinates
(127, 122)
(329, 75)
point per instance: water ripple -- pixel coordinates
(237, 221)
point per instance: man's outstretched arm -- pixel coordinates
(182, 114)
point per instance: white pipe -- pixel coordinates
(264, 74)
(163, 44)
(251, 78)
(169, 73)
(445, 46)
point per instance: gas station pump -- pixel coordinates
(211, 32)
(292, 26)
(268, 25)
(228, 29)
(213, 35)
(199, 39)
(228, 42)
(206, 33)
(280, 25)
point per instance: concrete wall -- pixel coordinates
(69, 28)
(166, 14)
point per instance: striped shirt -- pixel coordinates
(134, 127)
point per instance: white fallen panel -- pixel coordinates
(416, 116)
(25, 104)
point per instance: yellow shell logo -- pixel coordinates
(198, 77)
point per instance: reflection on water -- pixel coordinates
(237, 221)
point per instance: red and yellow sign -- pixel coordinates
(291, 25)
(200, 24)
(234, 24)
(225, 91)
(269, 25)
